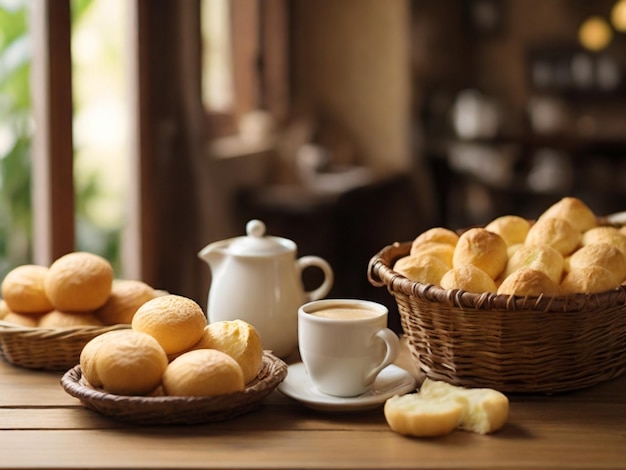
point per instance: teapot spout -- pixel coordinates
(210, 254)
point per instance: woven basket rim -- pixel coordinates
(163, 410)
(380, 273)
(30, 331)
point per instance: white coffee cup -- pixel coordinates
(344, 344)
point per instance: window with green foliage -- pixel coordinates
(98, 226)
(16, 130)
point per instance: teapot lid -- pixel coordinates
(257, 243)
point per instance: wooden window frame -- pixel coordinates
(168, 149)
(260, 58)
(53, 186)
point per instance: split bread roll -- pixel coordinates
(439, 408)
(414, 415)
(240, 340)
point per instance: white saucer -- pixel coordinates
(391, 381)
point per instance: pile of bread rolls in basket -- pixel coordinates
(168, 348)
(565, 251)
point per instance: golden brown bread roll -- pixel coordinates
(22, 319)
(591, 279)
(575, 211)
(558, 233)
(484, 249)
(79, 282)
(540, 257)
(608, 256)
(427, 269)
(512, 228)
(127, 295)
(124, 362)
(23, 289)
(468, 278)
(512, 249)
(202, 373)
(605, 234)
(443, 251)
(60, 320)
(529, 282)
(437, 235)
(4, 309)
(175, 321)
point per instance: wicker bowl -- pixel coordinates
(46, 348)
(510, 343)
(166, 410)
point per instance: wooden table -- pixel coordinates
(43, 427)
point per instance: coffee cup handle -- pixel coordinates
(324, 288)
(393, 349)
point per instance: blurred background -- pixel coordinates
(344, 126)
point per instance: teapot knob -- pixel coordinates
(255, 228)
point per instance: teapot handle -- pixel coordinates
(324, 288)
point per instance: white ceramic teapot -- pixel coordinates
(257, 279)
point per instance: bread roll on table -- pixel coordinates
(439, 408)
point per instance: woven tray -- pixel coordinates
(166, 410)
(46, 348)
(510, 343)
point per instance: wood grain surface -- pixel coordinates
(41, 426)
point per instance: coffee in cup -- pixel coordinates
(344, 313)
(344, 344)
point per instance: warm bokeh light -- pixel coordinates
(618, 16)
(595, 34)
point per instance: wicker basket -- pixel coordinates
(166, 410)
(46, 348)
(510, 343)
